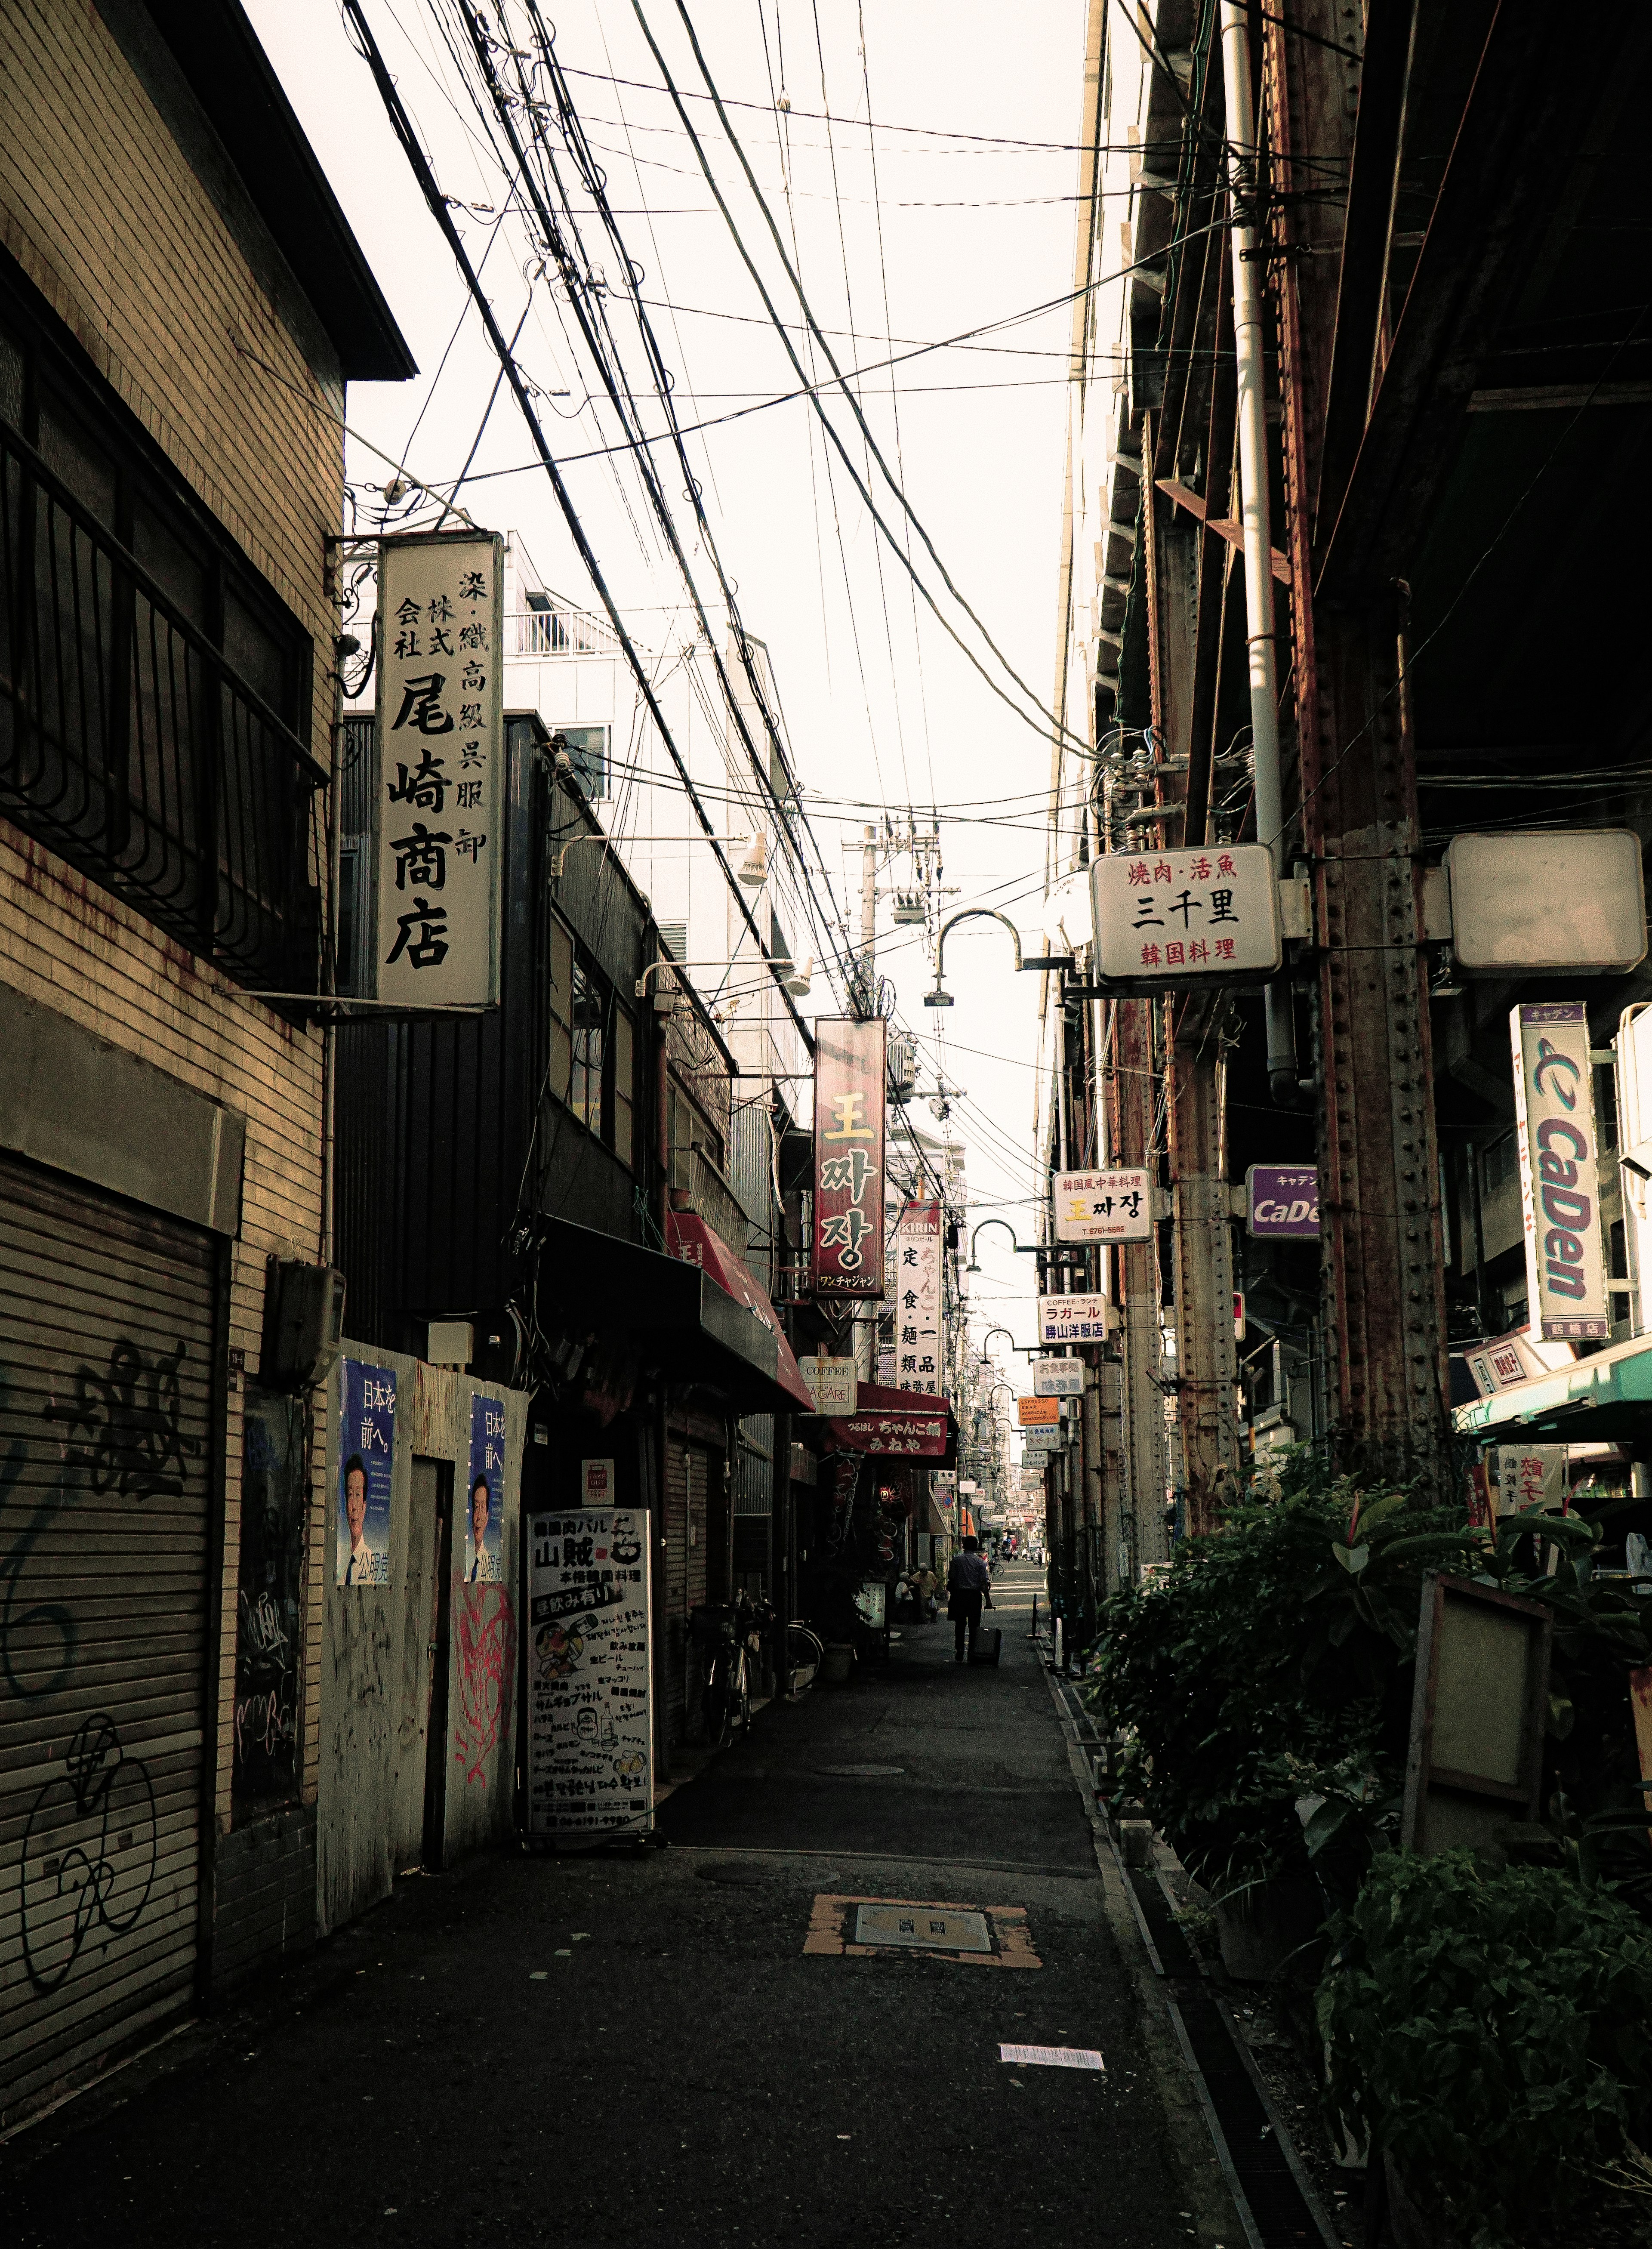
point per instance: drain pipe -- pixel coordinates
(1254, 517)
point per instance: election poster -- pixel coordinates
(484, 1507)
(367, 1451)
(590, 1695)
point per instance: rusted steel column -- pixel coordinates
(1207, 1368)
(1135, 1086)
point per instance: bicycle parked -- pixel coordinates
(730, 1636)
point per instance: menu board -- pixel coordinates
(590, 1695)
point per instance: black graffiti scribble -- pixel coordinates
(88, 1852)
(134, 1444)
(27, 1626)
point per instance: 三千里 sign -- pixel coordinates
(1168, 918)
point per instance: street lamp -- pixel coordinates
(942, 998)
(613, 843)
(1022, 1248)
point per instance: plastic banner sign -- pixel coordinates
(846, 1256)
(590, 1750)
(1037, 1413)
(1058, 1378)
(1554, 1125)
(914, 1290)
(1281, 1202)
(1103, 1206)
(1186, 918)
(1073, 1319)
(367, 1453)
(441, 757)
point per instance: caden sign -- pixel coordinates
(1554, 1120)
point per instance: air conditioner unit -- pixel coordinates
(303, 1324)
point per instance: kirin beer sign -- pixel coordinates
(1554, 1117)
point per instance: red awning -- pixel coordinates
(688, 1236)
(902, 1424)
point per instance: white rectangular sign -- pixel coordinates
(1073, 1319)
(1036, 1443)
(590, 1755)
(913, 1289)
(441, 756)
(1058, 1378)
(1169, 918)
(1103, 1206)
(1554, 1123)
(832, 1382)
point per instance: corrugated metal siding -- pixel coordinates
(107, 1355)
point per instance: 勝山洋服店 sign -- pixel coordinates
(1073, 1319)
(846, 1256)
(1554, 1125)
(1281, 1202)
(1058, 1378)
(441, 751)
(1186, 917)
(915, 1270)
(590, 1695)
(1103, 1205)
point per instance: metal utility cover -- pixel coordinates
(930, 1928)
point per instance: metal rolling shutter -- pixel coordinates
(106, 1459)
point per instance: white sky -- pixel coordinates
(971, 233)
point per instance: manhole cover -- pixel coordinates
(933, 1928)
(738, 1873)
(865, 1772)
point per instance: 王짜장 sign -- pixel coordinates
(846, 1252)
(1168, 918)
(1554, 1125)
(441, 754)
(1102, 1206)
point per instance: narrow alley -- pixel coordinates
(646, 2049)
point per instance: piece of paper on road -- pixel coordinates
(1052, 2057)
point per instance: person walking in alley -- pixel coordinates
(968, 1584)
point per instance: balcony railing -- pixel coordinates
(558, 631)
(131, 747)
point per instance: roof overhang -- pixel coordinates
(1605, 1398)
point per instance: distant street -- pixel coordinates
(643, 2051)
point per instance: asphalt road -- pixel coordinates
(643, 2052)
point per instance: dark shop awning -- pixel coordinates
(1607, 1397)
(673, 1314)
(902, 1425)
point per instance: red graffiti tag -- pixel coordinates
(487, 1668)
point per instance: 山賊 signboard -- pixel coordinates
(1164, 918)
(846, 1256)
(589, 1723)
(1103, 1205)
(1074, 1319)
(915, 1258)
(1554, 1125)
(1281, 1202)
(441, 756)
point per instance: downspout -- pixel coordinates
(1258, 530)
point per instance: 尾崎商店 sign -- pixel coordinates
(440, 754)
(846, 1250)
(1554, 1122)
(1168, 918)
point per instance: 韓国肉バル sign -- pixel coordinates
(1169, 918)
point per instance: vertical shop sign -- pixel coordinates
(590, 1708)
(441, 751)
(1554, 1123)
(484, 1505)
(846, 1261)
(366, 1452)
(918, 1298)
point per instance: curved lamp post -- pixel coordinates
(942, 998)
(1022, 1248)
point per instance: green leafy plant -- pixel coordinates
(1492, 2032)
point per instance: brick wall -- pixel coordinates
(103, 209)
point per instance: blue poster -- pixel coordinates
(366, 1449)
(484, 1504)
